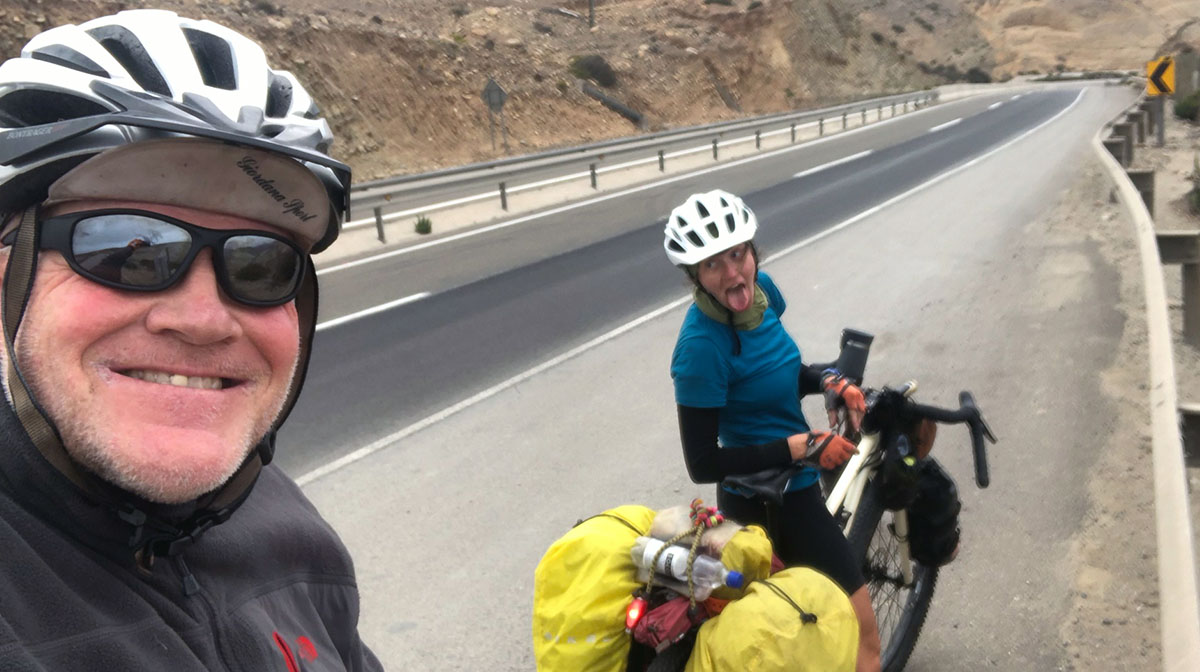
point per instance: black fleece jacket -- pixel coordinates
(708, 462)
(271, 589)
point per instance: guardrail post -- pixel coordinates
(1138, 119)
(714, 149)
(662, 162)
(758, 139)
(864, 115)
(1147, 109)
(592, 170)
(503, 198)
(793, 133)
(821, 126)
(843, 121)
(1125, 131)
(379, 225)
(893, 108)
(1143, 181)
(1183, 247)
(1116, 147)
(1189, 413)
(879, 113)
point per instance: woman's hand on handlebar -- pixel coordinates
(841, 392)
(825, 448)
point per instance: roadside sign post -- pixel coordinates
(495, 96)
(1160, 83)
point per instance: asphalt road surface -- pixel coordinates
(447, 524)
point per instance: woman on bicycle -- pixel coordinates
(738, 379)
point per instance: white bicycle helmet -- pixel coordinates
(707, 224)
(145, 105)
(79, 91)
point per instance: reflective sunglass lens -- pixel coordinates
(262, 269)
(129, 249)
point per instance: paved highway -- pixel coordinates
(962, 285)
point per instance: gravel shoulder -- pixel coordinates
(1114, 617)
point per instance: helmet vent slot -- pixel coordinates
(730, 223)
(695, 238)
(701, 209)
(129, 52)
(711, 227)
(31, 107)
(213, 57)
(60, 54)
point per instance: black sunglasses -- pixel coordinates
(149, 252)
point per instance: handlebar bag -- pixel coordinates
(581, 589)
(798, 620)
(933, 530)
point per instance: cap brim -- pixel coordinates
(207, 175)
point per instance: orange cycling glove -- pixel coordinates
(838, 390)
(828, 449)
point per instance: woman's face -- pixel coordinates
(729, 277)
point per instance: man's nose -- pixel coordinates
(195, 309)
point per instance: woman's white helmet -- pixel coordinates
(706, 224)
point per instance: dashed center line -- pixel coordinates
(948, 124)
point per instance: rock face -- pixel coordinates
(400, 82)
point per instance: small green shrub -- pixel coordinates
(423, 225)
(1188, 107)
(976, 75)
(897, 28)
(923, 23)
(727, 3)
(753, 6)
(595, 68)
(788, 93)
(562, 86)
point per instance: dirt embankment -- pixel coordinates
(400, 80)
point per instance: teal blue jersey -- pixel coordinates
(758, 391)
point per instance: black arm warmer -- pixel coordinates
(709, 463)
(810, 377)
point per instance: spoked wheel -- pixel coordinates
(900, 609)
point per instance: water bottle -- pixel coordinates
(671, 569)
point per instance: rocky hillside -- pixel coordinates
(400, 80)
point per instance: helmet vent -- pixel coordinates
(129, 52)
(675, 246)
(279, 96)
(213, 57)
(701, 209)
(712, 230)
(60, 54)
(730, 223)
(31, 107)
(695, 238)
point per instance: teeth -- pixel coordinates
(178, 380)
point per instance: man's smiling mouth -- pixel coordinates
(180, 380)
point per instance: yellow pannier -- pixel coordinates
(581, 589)
(798, 620)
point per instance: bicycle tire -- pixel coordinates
(899, 611)
(674, 658)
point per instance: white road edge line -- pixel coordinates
(844, 159)
(492, 391)
(948, 124)
(599, 199)
(371, 311)
(1016, 96)
(995, 105)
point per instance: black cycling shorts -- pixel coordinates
(808, 535)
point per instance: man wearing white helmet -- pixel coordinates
(162, 190)
(738, 377)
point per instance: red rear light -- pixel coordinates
(637, 609)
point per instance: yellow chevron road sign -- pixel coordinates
(1160, 77)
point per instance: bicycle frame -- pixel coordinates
(847, 493)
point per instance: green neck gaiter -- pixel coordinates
(746, 320)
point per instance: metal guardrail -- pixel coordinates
(1179, 602)
(378, 194)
